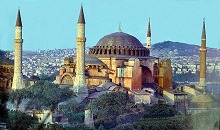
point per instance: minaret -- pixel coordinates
(80, 86)
(203, 51)
(18, 76)
(148, 45)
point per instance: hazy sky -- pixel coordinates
(50, 24)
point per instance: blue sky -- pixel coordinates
(50, 24)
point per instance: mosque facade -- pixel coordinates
(119, 58)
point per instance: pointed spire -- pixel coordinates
(119, 28)
(18, 22)
(203, 30)
(81, 16)
(149, 30)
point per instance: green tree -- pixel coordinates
(47, 77)
(161, 117)
(20, 121)
(46, 127)
(43, 94)
(78, 127)
(110, 104)
(101, 127)
(126, 126)
(73, 111)
(168, 123)
(3, 109)
(160, 111)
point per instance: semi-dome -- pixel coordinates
(119, 43)
(119, 39)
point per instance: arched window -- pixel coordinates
(114, 51)
(67, 80)
(129, 52)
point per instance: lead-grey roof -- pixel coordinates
(93, 60)
(119, 39)
(6, 61)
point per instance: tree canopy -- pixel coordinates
(43, 94)
(161, 116)
(160, 111)
(20, 121)
(3, 109)
(110, 104)
(73, 111)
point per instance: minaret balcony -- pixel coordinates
(18, 40)
(80, 39)
(203, 49)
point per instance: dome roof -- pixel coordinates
(119, 39)
(119, 43)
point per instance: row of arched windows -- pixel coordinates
(6, 69)
(120, 51)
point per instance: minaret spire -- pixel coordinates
(80, 86)
(149, 30)
(148, 45)
(18, 76)
(18, 22)
(203, 30)
(203, 51)
(81, 16)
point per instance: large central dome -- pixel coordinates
(119, 43)
(119, 39)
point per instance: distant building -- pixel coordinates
(44, 116)
(6, 72)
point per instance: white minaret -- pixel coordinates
(148, 45)
(203, 50)
(80, 86)
(18, 76)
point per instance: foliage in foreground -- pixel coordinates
(160, 111)
(110, 104)
(3, 109)
(20, 121)
(73, 111)
(46, 127)
(42, 95)
(177, 122)
(168, 123)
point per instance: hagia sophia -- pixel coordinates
(118, 62)
(119, 58)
